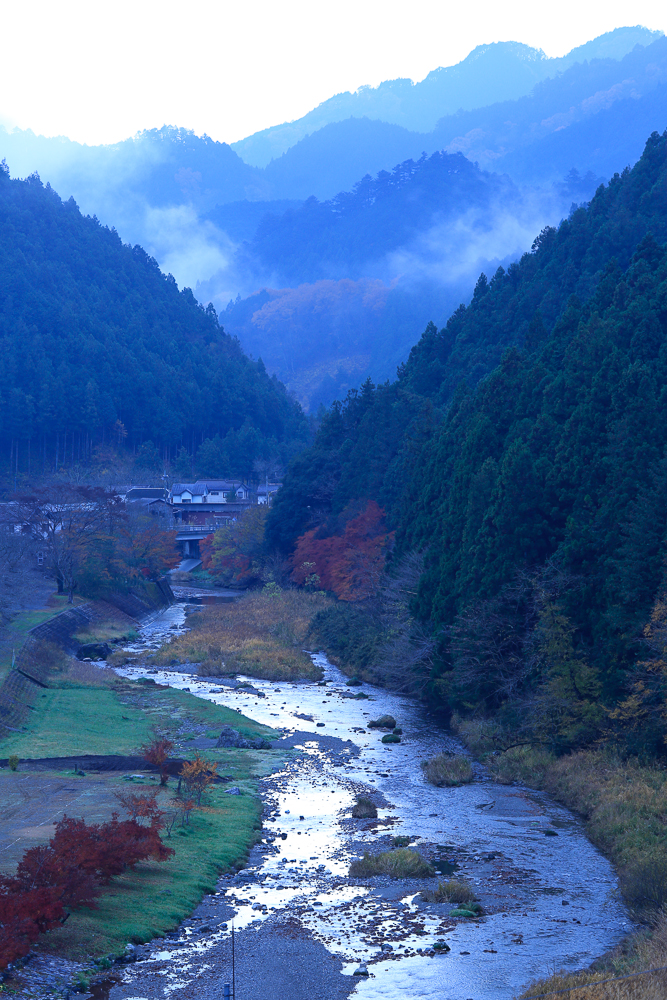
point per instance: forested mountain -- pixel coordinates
(502, 71)
(536, 490)
(366, 267)
(99, 345)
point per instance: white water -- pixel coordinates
(522, 876)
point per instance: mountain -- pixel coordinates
(534, 488)
(502, 71)
(590, 116)
(98, 345)
(370, 267)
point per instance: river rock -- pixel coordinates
(384, 722)
(361, 971)
(232, 738)
(93, 651)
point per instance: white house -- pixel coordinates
(212, 491)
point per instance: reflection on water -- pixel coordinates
(548, 900)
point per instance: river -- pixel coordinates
(550, 899)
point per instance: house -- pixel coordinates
(146, 493)
(211, 491)
(266, 492)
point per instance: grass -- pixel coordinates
(452, 891)
(154, 898)
(447, 770)
(364, 808)
(401, 863)
(261, 635)
(105, 632)
(86, 715)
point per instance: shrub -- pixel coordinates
(13, 761)
(157, 753)
(384, 722)
(447, 770)
(364, 808)
(401, 863)
(452, 891)
(67, 873)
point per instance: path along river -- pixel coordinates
(550, 899)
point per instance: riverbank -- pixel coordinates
(84, 711)
(623, 805)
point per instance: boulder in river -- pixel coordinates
(384, 722)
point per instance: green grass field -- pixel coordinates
(77, 720)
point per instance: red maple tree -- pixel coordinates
(68, 871)
(348, 564)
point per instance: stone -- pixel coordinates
(233, 791)
(361, 971)
(93, 651)
(232, 738)
(384, 722)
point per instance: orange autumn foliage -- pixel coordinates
(349, 564)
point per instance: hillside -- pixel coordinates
(98, 345)
(502, 71)
(538, 493)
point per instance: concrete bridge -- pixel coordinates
(189, 536)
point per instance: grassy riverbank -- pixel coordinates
(90, 711)
(87, 710)
(153, 898)
(261, 635)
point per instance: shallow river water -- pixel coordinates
(550, 899)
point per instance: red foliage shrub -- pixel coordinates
(157, 754)
(69, 870)
(24, 915)
(350, 563)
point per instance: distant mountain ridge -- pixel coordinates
(501, 71)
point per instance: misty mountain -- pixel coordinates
(502, 71)
(99, 347)
(353, 278)
(592, 116)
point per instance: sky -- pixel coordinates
(99, 71)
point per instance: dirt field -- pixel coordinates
(34, 801)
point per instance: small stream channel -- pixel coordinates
(550, 898)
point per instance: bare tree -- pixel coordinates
(63, 517)
(405, 656)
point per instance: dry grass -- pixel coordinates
(447, 770)
(401, 863)
(648, 953)
(452, 891)
(261, 635)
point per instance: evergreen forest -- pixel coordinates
(520, 457)
(100, 348)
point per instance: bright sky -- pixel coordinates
(99, 71)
